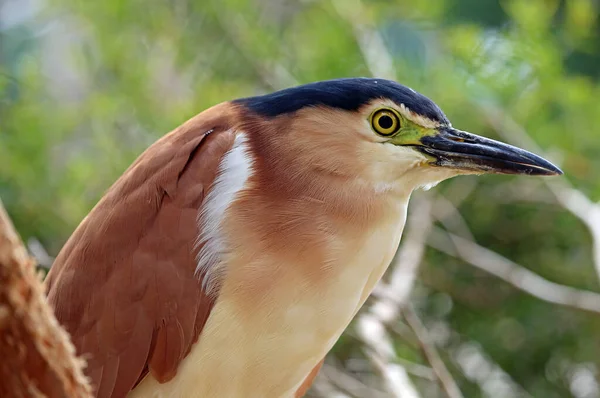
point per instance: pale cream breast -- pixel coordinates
(266, 346)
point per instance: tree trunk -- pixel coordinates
(37, 358)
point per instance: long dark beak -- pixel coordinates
(465, 151)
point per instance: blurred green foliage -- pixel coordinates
(85, 86)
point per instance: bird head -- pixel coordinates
(382, 132)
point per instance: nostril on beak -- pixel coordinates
(458, 136)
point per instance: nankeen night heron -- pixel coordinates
(232, 254)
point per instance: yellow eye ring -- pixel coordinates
(385, 122)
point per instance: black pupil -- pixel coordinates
(385, 122)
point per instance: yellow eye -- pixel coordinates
(385, 122)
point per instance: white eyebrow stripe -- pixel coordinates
(418, 119)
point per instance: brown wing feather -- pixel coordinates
(124, 285)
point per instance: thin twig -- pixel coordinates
(350, 384)
(380, 351)
(480, 368)
(407, 336)
(513, 273)
(446, 380)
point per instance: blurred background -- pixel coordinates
(495, 289)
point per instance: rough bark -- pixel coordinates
(37, 358)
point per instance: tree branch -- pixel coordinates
(38, 358)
